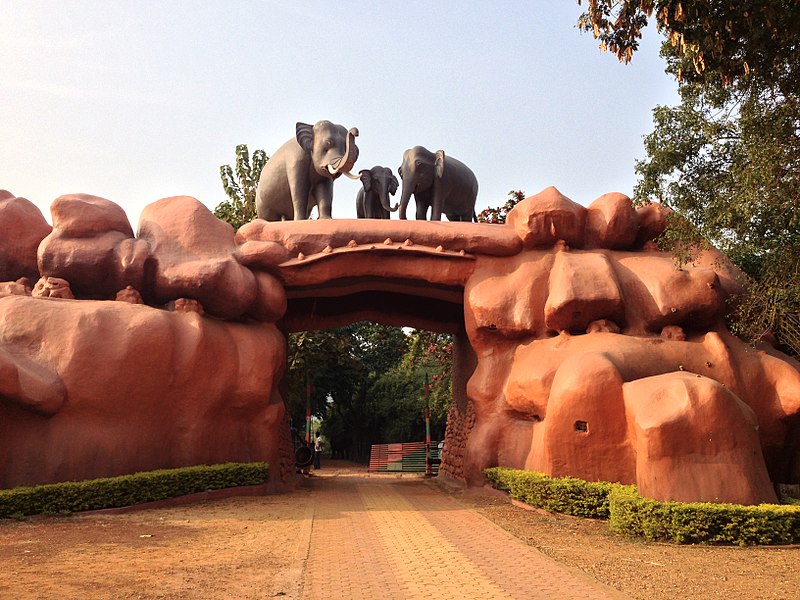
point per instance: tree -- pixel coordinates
(336, 368)
(731, 42)
(500, 213)
(732, 169)
(727, 159)
(240, 186)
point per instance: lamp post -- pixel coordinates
(308, 411)
(428, 471)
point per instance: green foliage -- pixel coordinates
(729, 163)
(630, 514)
(500, 213)
(728, 157)
(702, 523)
(240, 187)
(723, 41)
(339, 367)
(126, 490)
(429, 361)
(398, 396)
(367, 383)
(565, 495)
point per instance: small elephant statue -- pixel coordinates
(372, 200)
(445, 185)
(299, 176)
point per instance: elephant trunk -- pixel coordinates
(384, 198)
(405, 196)
(349, 159)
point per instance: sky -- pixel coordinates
(137, 101)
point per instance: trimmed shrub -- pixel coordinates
(565, 495)
(112, 492)
(630, 514)
(702, 522)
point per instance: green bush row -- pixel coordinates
(703, 522)
(562, 494)
(630, 514)
(126, 490)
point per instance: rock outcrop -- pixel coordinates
(583, 350)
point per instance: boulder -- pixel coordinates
(583, 288)
(547, 217)
(92, 246)
(23, 228)
(611, 222)
(85, 216)
(695, 441)
(193, 257)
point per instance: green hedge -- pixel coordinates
(629, 513)
(562, 494)
(111, 492)
(703, 522)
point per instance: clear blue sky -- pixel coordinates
(136, 101)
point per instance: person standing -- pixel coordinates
(317, 451)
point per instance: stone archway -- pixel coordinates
(584, 350)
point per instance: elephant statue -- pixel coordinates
(445, 185)
(372, 200)
(300, 174)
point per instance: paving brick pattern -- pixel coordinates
(389, 538)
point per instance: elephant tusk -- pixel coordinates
(350, 175)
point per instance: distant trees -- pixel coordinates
(367, 383)
(240, 185)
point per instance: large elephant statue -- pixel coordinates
(300, 174)
(445, 185)
(372, 200)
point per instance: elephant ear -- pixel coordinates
(366, 179)
(393, 183)
(305, 136)
(439, 164)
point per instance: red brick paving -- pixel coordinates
(388, 537)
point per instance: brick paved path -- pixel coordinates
(386, 538)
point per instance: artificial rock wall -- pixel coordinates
(582, 351)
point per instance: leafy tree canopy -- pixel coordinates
(727, 158)
(240, 185)
(706, 39)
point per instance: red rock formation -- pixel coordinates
(192, 252)
(582, 349)
(92, 247)
(115, 388)
(23, 227)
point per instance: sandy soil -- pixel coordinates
(649, 570)
(222, 549)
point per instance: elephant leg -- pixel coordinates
(422, 210)
(369, 205)
(323, 194)
(360, 201)
(436, 206)
(299, 186)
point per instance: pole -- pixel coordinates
(308, 412)
(428, 471)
